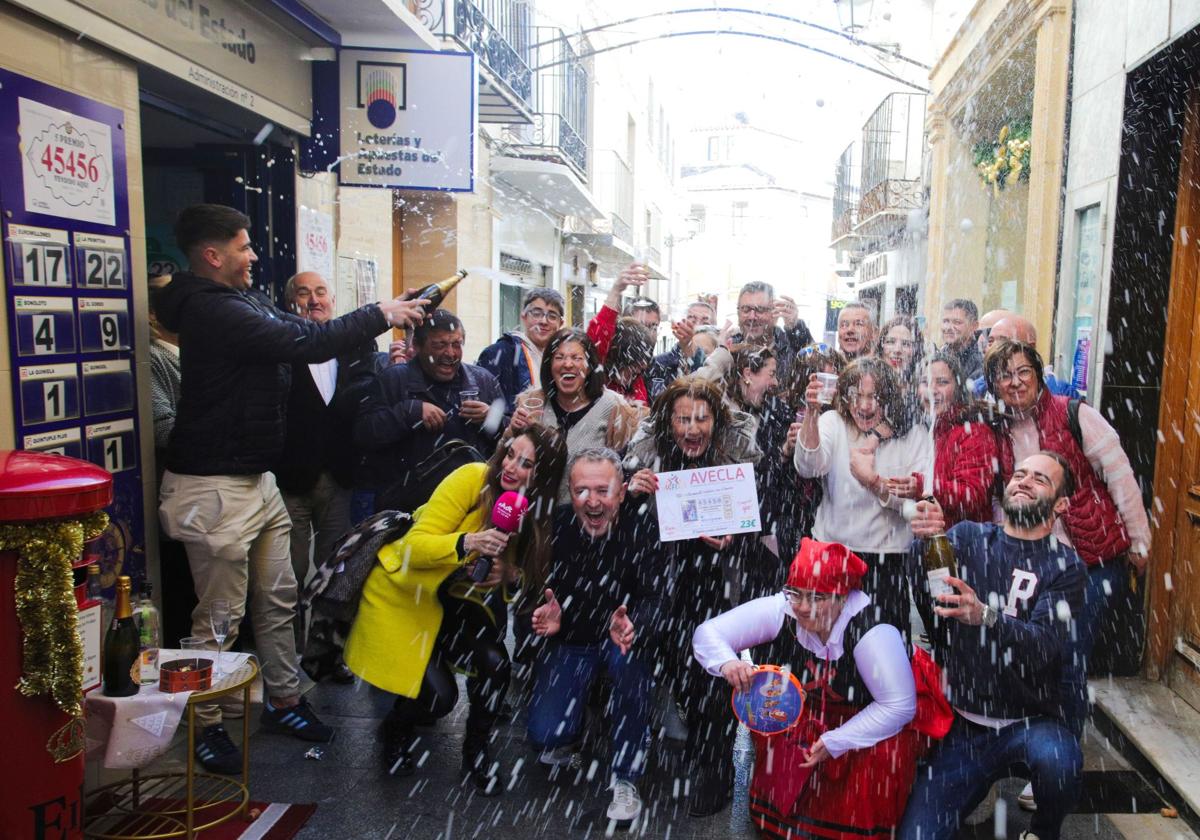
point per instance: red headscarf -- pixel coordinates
(826, 567)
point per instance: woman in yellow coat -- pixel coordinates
(421, 616)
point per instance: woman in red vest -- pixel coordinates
(964, 446)
(1105, 522)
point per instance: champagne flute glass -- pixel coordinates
(219, 616)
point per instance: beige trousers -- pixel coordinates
(237, 534)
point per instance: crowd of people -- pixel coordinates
(285, 435)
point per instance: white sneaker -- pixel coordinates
(1028, 835)
(1025, 800)
(626, 804)
(558, 756)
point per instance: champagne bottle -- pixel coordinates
(149, 637)
(435, 293)
(121, 646)
(940, 564)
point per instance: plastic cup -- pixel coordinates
(828, 387)
(468, 394)
(191, 647)
(535, 407)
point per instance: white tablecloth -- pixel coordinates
(131, 732)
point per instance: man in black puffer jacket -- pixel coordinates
(218, 497)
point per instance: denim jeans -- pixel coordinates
(970, 759)
(562, 679)
(1113, 576)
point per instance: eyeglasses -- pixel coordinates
(754, 310)
(814, 348)
(543, 315)
(799, 596)
(1024, 374)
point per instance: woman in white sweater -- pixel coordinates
(867, 455)
(574, 401)
(853, 736)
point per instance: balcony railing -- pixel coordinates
(560, 104)
(497, 31)
(893, 141)
(894, 195)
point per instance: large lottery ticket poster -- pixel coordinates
(69, 294)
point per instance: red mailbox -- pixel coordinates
(44, 798)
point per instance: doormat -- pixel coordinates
(275, 821)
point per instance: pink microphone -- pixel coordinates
(506, 517)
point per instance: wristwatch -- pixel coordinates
(989, 616)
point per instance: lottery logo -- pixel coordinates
(381, 91)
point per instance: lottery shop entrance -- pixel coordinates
(199, 148)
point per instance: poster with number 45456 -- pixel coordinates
(66, 164)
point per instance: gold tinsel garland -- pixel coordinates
(52, 655)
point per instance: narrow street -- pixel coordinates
(356, 801)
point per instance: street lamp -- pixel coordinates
(853, 15)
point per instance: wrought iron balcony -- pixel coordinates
(899, 195)
(892, 148)
(498, 32)
(560, 103)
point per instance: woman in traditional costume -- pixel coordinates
(844, 771)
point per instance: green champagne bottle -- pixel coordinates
(122, 646)
(940, 563)
(435, 293)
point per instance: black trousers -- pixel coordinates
(467, 641)
(887, 584)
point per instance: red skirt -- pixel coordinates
(859, 796)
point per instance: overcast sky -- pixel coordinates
(785, 88)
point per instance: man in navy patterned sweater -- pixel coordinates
(1002, 637)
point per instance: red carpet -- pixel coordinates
(276, 821)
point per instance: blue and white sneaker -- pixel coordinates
(299, 720)
(217, 753)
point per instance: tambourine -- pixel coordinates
(774, 702)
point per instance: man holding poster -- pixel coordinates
(696, 457)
